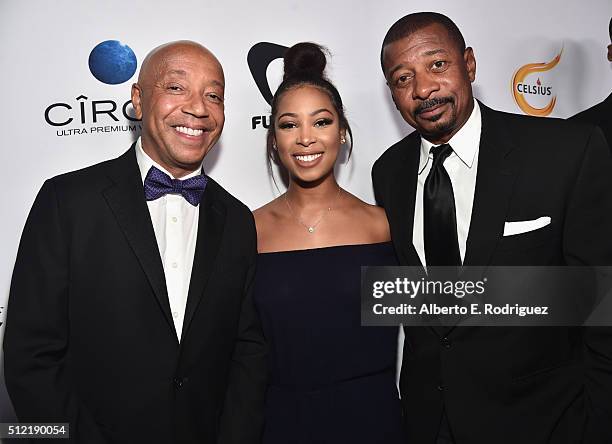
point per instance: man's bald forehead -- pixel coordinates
(159, 55)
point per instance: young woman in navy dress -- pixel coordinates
(331, 380)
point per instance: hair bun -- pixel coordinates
(305, 59)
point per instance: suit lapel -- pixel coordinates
(403, 200)
(498, 166)
(126, 200)
(210, 232)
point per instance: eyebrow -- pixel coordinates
(216, 82)
(395, 68)
(314, 113)
(183, 73)
(178, 72)
(434, 52)
(320, 110)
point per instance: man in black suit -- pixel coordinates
(474, 186)
(130, 312)
(601, 114)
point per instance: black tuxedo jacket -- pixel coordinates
(501, 384)
(600, 115)
(89, 336)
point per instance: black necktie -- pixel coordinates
(439, 218)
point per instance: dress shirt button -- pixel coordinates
(174, 219)
(175, 314)
(445, 342)
(174, 265)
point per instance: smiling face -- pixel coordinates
(179, 97)
(430, 81)
(307, 133)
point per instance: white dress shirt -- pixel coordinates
(461, 167)
(175, 222)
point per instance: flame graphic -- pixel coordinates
(519, 77)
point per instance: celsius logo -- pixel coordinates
(259, 58)
(112, 62)
(521, 90)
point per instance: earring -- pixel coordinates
(342, 140)
(274, 146)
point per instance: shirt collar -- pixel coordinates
(145, 163)
(464, 143)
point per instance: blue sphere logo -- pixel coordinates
(112, 62)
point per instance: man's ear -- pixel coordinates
(470, 63)
(136, 100)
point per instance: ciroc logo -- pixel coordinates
(111, 62)
(523, 91)
(259, 58)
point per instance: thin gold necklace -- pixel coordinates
(312, 228)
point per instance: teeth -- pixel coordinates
(188, 131)
(308, 158)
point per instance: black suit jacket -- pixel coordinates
(600, 115)
(89, 336)
(502, 384)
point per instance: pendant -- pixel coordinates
(311, 229)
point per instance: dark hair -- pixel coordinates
(305, 65)
(417, 21)
(610, 29)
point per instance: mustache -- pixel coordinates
(426, 104)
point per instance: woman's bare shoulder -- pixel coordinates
(370, 216)
(268, 211)
(268, 219)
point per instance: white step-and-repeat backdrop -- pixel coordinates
(67, 67)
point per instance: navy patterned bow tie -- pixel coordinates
(158, 184)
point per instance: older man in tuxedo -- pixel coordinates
(449, 190)
(130, 314)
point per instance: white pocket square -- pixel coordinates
(525, 226)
